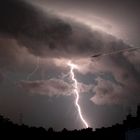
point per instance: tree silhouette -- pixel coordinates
(129, 128)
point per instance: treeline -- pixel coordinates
(9, 129)
(116, 132)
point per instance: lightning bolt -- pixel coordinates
(75, 86)
(34, 70)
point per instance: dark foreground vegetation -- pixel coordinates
(129, 130)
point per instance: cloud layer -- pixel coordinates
(27, 32)
(46, 35)
(108, 92)
(51, 87)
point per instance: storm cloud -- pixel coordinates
(30, 26)
(38, 33)
(118, 78)
(51, 87)
(107, 92)
(47, 35)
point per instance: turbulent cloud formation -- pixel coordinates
(108, 92)
(49, 36)
(31, 27)
(51, 87)
(14, 58)
(27, 31)
(122, 86)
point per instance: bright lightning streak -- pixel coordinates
(35, 69)
(75, 85)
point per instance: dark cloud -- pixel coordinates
(31, 27)
(20, 19)
(9, 53)
(49, 36)
(46, 35)
(2, 77)
(27, 32)
(13, 57)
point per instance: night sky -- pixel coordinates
(37, 40)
